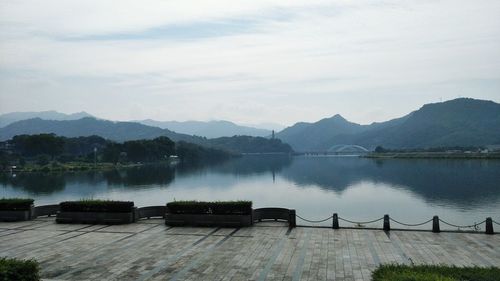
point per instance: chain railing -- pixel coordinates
(410, 224)
(314, 221)
(474, 226)
(360, 222)
(387, 219)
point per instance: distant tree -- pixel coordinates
(248, 144)
(42, 160)
(48, 144)
(111, 153)
(149, 150)
(4, 160)
(189, 152)
(380, 149)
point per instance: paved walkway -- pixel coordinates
(149, 250)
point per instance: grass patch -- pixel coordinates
(435, 273)
(19, 270)
(15, 204)
(216, 208)
(93, 205)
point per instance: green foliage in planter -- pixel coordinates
(188, 207)
(90, 205)
(232, 207)
(19, 270)
(216, 208)
(435, 273)
(15, 204)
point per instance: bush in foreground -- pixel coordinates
(216, 208)
(107, 206)
(435, 273)
(15, 204)
(19, 270)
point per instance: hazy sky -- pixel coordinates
(246, 61)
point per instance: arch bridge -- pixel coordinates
(347, 148)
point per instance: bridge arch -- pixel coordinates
(343, 147)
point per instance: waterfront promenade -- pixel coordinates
(149, 250)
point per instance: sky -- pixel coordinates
(249, 62)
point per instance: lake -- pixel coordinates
(409, 190)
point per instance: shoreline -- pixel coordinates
(432, 155)
(76, 167)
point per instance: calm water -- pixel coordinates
(460, 191)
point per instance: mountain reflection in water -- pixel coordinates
(313, 185)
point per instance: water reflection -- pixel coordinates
(462, 183)
(140, 176)
(454, 181)
(35, 183)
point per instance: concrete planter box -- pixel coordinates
(281, 214)
(208, 220)
(97, 217)
(152, 212)
(22, 215)
(46, 210)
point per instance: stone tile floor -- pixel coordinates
(149, 250)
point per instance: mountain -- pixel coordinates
(211, 129)
(126, 131)
(309, 136)
(9, 118)
(459, 122)
(116, 131)
(270, 126)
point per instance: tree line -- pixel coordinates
(45, 148)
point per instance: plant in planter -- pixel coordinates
(220, 213)
(14, 269)
(16, 209)
(97, 212)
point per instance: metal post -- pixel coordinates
(387, 224)
(489, 226)
(335, 221)
(435, 224)
(292, 219)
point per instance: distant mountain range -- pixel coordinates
(9, 118)
(459, 122)
(88, 126)
(210, 129)
(126, 131)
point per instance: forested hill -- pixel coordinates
(459, 122)
(247, 144)
(127, 131)
(115, 131)
(43, 148)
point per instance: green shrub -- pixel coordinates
(216, 208)
(19, 270)
(435, 273)
(15, 204)
(90, 205)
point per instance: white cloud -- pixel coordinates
(296, 60)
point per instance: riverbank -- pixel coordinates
(432, 155)
(73, 167)
(149, 250)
